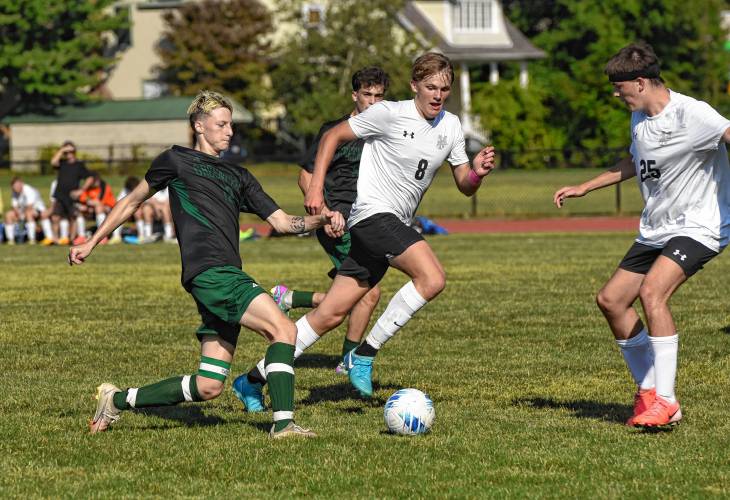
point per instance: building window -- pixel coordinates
(313, 15)
(474, 15)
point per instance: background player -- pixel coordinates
(207, 195)
(26, 206)
(368, 87)
(678, 155)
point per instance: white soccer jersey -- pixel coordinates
(401, 155)
(683, 173)
(28, 197)
(161, 196)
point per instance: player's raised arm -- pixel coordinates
(623, 170)
(284, 223)
(120, 213)
(314, 199)
(469, 177)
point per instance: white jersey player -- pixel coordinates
(679, 158)
(406, 142)
(28, 207)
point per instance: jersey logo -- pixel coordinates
(406, 134)
(441, 143)
(682, 256)
(666, 137)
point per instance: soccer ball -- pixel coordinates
(409, 412)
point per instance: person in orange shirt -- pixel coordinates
(98, 200)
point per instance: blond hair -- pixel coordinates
(432, 63)
(204, 103)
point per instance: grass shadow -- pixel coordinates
(725, 329)
(190, 416)
(344, 391)
(581, 408)
(317, 361)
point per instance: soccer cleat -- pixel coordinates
(291, 429)
(10, 242)
(341, 369)
(279, 293)
(106, 413)
(46, 242)
(63, 241)
(32, 242)
(660, 413)
(251, 395)
(360, 370)
(643, 399)
(115, 240)
(79, 240)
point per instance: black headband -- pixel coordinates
(651, 71)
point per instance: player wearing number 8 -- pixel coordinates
(678, 154)
(405, 144)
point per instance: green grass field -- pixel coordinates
(530, 391)
(509, 193)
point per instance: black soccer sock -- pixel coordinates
(366, 349)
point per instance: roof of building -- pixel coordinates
(136, 110)
(520, 49)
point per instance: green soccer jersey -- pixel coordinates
(206, 196)
(340, 184)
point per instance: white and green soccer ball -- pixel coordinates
(409, 412)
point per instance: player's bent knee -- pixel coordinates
(209, 388)
(284, 331)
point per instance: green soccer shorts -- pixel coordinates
(222, 295)
(336, 248)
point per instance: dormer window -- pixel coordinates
(313, 15)
(474, 15)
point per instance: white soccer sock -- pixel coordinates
(63, 228)
(31, 228)
(147, 230)
(639, 357)
(665, 364)
(167, 227)
(47, 229)
(80, 226)
(100, 219)
(10, 232)
(306, 336)
(140, 228)
(118, 232)
(401, 308)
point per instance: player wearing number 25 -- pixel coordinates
(679, 158)
(405, 144)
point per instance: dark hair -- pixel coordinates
(368, 77)
(130, 183)
(15, 179)
(432, 63)
(68, 143)
(636, 60)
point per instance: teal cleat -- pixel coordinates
(279, 294)
(360, 370)
(250, 394)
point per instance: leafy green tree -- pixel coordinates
(315, 64)
(220, 45)
(579, 37)
(53, 53)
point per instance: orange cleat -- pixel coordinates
(63, 241)
(661, 413)
(643, 399)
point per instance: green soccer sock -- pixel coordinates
(280, 376)
(302, 299)
(348, 345)
(167, 392)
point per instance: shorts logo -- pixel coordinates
(254, 285)
(682, 256)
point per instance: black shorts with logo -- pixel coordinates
(688, 253)
(374, 241)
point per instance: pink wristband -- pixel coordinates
(474, 178)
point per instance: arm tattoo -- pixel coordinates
(297, 224)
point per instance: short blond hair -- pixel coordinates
(204, 103)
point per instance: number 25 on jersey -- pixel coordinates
(648, 170)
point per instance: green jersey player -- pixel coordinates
(206, 196)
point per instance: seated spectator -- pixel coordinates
(94, 202)
(143, 216)
(27, 207)
(160, 203)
